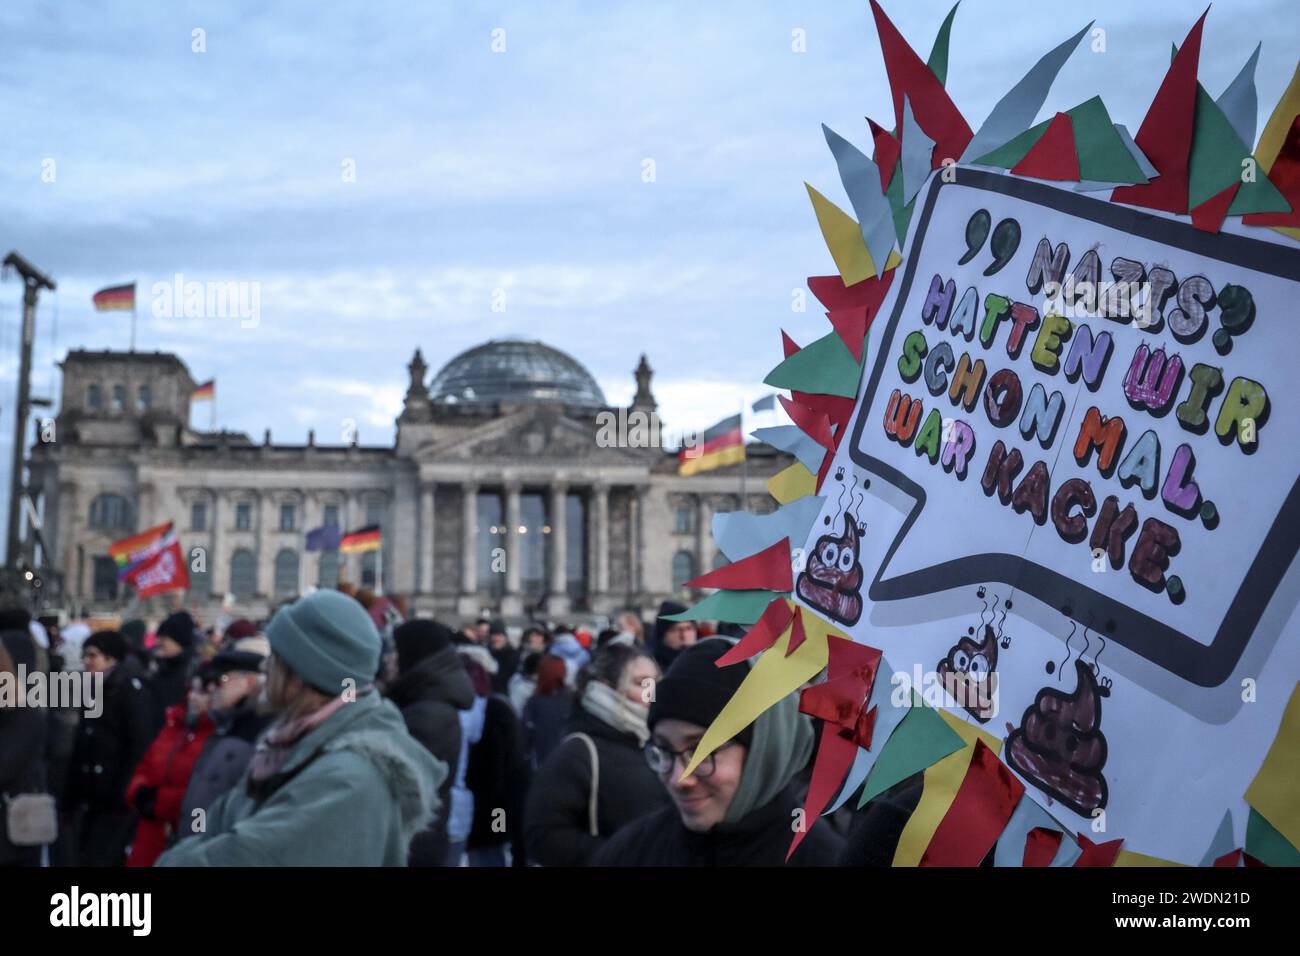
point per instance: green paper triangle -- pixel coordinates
(736, 607)
(921, 739)
(1215, 164)
(1267, 845)
(902, 213)
(823, 367)
(938, 62)
(1103, 157)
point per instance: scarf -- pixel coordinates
(274, 748)
(782, 744)
(610, 707)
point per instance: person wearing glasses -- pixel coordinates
(738, 807)
(234, 680)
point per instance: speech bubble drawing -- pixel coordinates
(1190, 475)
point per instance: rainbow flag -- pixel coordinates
(723, 444)
(205, 392)
(131, 552)
(116, 298)
(363, 539)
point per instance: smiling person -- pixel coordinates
(738, 807)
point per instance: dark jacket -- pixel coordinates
(221, 763)
(108, 747)
(22, 749)
(430, 696)
(544, 720)
(168, 684)
(557, 828)
(497, 774)
(761, 839)
(873, 835)
(507, 659)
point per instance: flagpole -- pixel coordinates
(379, 570)
(133, 316)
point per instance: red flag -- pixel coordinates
(164, 571)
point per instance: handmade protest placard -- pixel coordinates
(1069, 494)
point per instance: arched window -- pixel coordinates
(243, 574)
(286, 573)
(111, 513)
(328, 576)
(683, 569)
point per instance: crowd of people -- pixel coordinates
(341, 731)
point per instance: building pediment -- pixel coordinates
(530, 434)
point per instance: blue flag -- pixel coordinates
(324, 538)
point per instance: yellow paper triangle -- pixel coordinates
(1275, 791)
(792, 484)
(942, 781)
(843, 238)
(1274, 135)
(1129, 858)
(773, 676)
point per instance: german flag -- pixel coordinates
(360, 541)
(116, 298)
(205, 392)
(722, 445)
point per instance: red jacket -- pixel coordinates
(166, 765)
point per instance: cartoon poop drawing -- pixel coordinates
(969, 673)
(1059, 747)
(833, 577)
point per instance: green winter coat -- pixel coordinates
(354, 792)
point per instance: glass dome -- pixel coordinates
(512, 370)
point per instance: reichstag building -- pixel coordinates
(495, 496)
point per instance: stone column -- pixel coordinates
(598, 566)
(636, 539)
(425, 544)
(512, 603)
(69, 515)
(557, 600)
(263, 561)
(703, 535)
(215, 564)
(469, 543)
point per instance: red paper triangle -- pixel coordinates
(1054, 156)
(933, 109)
(775, 619)
(851, 325)
(769, 569)
(979, 813)
(788, 345)
(1097, 854)
(833, 294)
(797, 634)
(816, 425)
(839, 701)
(1229, 860)
(1285, 175)
(1041, 846)
(1166, 133)
(1209, 215)
(835, 755)
(888, 149)
(865, 729)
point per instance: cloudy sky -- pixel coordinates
(513, 177)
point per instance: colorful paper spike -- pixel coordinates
(979, 813)
(769, 570)
(1165, 135)
(860, 177)
(1054, 155)
(824, 367)
(736, 607)
(765, 632)
(938, 60)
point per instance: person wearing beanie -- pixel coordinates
(671, 637)
(238, 629)
(233, 680)
(173, 664)
(736, 807)
(504, 654)
(599, 765)
(105, 750)
(431, 690)
(336, 780)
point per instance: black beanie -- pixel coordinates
(695, 688)
(661, 626)
(418, 639)
(109, 643)
(179, 627)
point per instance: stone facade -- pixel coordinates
(457, 496)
